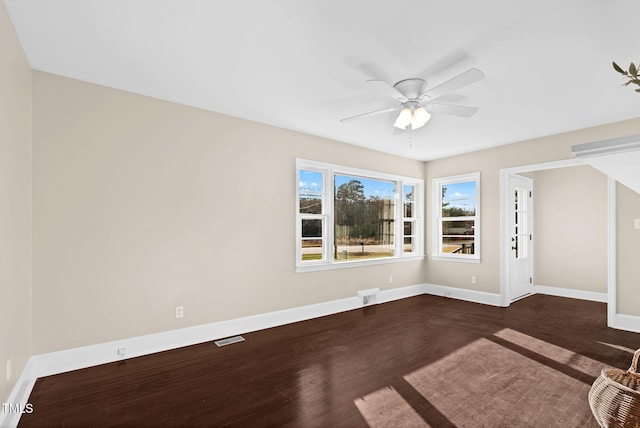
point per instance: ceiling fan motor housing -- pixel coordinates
(412, 89)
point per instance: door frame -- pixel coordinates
(505, 234)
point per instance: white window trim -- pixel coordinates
(327, 262)
(436, 218)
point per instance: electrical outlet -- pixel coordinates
(179, 311)
(474, 280)
(390, 279)
(9, 369)
(636, 223)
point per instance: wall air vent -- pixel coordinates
(369, 297)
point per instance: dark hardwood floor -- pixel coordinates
(423, 361)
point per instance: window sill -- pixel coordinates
(455, 259)
(359, 263)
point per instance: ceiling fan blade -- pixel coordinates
(371, 113)
(468, 77)
(390, 90)
(462, 111)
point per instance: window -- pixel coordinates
(312, 218)
(410, 226)
(347, 217)
(457, 217)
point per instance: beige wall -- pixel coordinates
(489, 162)
(142, 205)
(15, 205)
(570, 228)
(628, 251)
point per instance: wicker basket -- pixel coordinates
(615, 396)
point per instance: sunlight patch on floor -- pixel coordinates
(556, 353)
(480, 385)
(621, 348)
(385, 408)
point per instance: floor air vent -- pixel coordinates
(229, 340)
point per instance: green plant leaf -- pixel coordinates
(617, 68)
(633, 70)
(637, 90)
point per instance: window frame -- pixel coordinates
(329, 171)
(438, 219)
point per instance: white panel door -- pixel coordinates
(520, 236)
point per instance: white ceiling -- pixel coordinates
(302, 64)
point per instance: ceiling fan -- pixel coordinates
(416, 102)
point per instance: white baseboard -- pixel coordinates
(475, 296)
(568, 292)
(19, 397)
(400, 293)
(92, 355)
(87, 356)
(626, 322)
(620, 321)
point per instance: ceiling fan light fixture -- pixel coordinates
(404, 118)
(419, 118)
